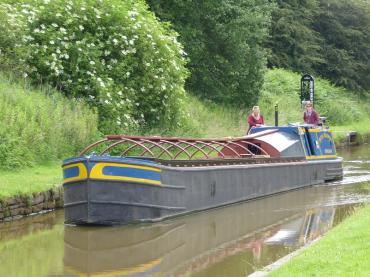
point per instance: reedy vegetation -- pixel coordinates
(36, 126)
(343, 109)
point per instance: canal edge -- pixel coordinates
(282, 261)
(18, 207)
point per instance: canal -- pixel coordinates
(230, 241)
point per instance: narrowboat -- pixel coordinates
(129, 179)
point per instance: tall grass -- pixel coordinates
(207, 119)
(345, 110)
(340, 106)
(38, 125)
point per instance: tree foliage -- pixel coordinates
(329, 38)
(345, 28)
(223, 40)
(114, 53)
(293, 42)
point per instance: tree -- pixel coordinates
(293, 42)
(345, 28)
(224, 41)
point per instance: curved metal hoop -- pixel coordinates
(174, 148)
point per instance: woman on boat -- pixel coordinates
(255, 119)
(310, 116)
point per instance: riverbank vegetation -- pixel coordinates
(39, 125)
(344, 110)
(343, 251)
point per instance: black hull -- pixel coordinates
(188, 189)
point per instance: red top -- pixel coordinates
(252, 121)
(313, 118)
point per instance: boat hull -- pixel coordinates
(182, 190)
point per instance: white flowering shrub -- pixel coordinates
(112, 52)
(12, 30)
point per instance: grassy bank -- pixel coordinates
(38, 128)
(345, 110)
(210, 120)
(344, 251)
(39, 124)
(30, 180)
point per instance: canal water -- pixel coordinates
(230, 241)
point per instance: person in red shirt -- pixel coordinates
(310, 116)
(255, 119)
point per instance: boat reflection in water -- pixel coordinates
(235, 240)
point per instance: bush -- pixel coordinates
(38, 126)
(11, 32)
(114, 53)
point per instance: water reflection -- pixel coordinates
(255, 234)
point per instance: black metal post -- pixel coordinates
(276, 115)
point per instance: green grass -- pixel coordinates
(345, 110)
(365, 186)
(30, 180)
(361, 127)
(39, 124)
(344, 251)
(211, 120)
(340, 106)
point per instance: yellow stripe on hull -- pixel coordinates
(82, 172)
(321, 157)
(97, 173)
